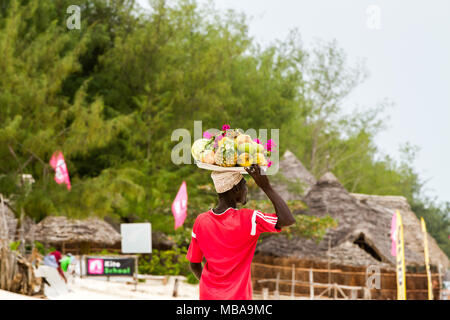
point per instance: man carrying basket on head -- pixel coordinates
(226, 236)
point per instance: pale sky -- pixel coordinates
(408, 58)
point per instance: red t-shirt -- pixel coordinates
(228, 241)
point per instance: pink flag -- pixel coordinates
(179, 205)
(394, 234)
(61, 173)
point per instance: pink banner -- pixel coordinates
(179, 206)
(61, 173)
(394, 234)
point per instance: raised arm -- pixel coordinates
(285, 217)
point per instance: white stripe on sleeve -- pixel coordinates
(270, 220)
(267, 218)
(265, 215)
(253, 231)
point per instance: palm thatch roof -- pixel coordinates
(362, 236)
(61, 229)
(292, 181)
(413, 235)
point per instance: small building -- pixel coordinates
(75, 236)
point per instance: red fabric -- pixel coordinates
(57, 255)
(228, 241)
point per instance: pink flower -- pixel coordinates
(269, 164)
(257, 141)
(270, 144)
(207, 135)
(225, 127)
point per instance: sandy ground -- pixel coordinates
(117, 289)
(6, 295)
(123, 289)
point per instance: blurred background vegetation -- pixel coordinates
(110, 94)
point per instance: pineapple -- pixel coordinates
(226, 154)
(225, 158)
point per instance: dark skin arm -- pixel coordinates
(196, 269)
(285, 217)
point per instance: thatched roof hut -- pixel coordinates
(363, 234)
(361, 239)
(292, 181)
(58, 230)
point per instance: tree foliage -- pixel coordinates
(110, 95)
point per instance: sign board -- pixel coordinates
(100, 266)
(136, 237)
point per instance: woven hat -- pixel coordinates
(225, 180)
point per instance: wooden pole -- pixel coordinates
(136, 266)
(354, 294)
(265, 293)
(136, 271)
(329, 258)
(311, 284)
(175, 288)
(293, 282)
(277, 288)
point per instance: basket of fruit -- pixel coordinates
(230, 150)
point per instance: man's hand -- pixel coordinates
(261, 180)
